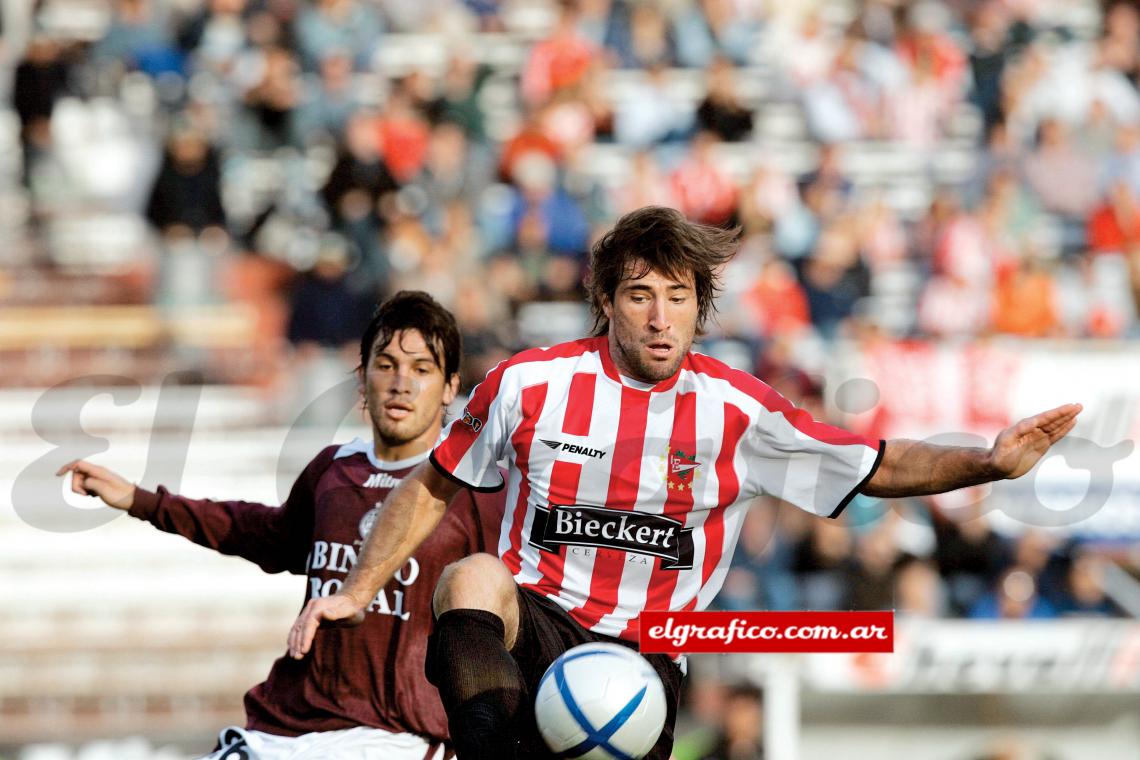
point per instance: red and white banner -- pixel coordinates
(966, 393)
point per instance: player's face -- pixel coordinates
(406, 392)
(652, 323)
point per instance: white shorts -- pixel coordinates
(360, 743)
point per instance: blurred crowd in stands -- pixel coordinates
(951, 564)
(308, 157)
(970, 165)
(899, 168)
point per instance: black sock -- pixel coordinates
(479, 683)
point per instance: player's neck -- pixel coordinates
(386, 451)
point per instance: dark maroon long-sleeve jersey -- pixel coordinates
(369, 675)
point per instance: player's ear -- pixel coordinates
(608, 307)
(451, 389)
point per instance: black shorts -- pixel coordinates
(545, 632)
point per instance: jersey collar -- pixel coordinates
(611, 370)
(361, 446)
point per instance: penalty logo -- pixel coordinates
(679, 469)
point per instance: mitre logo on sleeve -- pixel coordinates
(680, 468)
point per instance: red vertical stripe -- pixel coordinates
(533, 399)
(678, 504)
(728, 489)
(460, 438)
(625, 477)
(580, 404)
(565, 476)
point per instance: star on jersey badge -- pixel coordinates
(680, 469)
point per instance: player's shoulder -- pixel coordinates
(535, 362)
(357, 447)
(355, 456)
(325, 460)
(329, 454)
(707, 368)
(544, 354)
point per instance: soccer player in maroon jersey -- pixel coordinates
(632, 463)
(362, 693)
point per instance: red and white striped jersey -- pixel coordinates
(624, 496)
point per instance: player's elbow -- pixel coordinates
(440, 489)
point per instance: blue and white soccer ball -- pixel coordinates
(600, 702)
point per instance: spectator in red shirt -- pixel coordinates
(778, 300)
(561, 60)
(1115, 224)
(403, 133)
(529, 139)
(703, 189)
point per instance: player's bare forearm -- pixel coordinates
(406, 518)
(914, 468)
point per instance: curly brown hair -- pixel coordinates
(659, 239)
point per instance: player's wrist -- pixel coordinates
(355, 596)
(990, 466)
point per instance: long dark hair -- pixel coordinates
(415, 310)
(663, 240)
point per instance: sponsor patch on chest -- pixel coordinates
(624, 530)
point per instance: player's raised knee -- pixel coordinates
(480, 581)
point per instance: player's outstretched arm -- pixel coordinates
(914, 468)
(407, 517)
(277, 539)
(92, 480)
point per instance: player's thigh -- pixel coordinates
(545, 632)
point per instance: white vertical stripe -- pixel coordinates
(593, 485)
(733, 521)
(651, 495)
(557, 374)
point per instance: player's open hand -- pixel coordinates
(337, 609)
(92, 480)
(1020, 447)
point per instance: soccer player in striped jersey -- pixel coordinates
(632, 461)
(363, 692)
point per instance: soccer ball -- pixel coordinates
(600, 702)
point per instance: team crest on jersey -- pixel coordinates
(471, 420)
(369, 519)
(680, 469)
